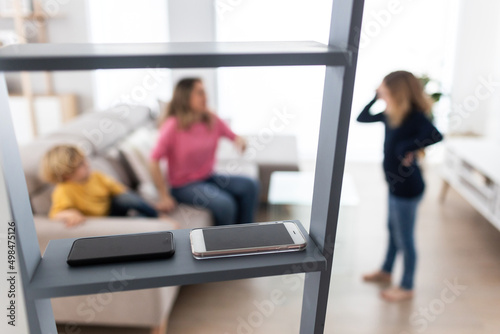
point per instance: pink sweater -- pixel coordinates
(190, 153)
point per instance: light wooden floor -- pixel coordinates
(456, 246)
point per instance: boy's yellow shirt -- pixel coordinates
(91, 198)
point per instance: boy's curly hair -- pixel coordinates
(60, 162)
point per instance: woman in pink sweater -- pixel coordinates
(188, 140)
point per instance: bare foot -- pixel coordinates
(378, 277)
(397, 294)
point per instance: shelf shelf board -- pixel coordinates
(59, 57)
(54, 278)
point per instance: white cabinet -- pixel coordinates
(50, 112)
(472, 167)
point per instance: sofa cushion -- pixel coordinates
(281, 150)
(95, 131)
(110, 164)
(41, 200)
(278, 154)
(136, 150)
(132, 116)
(230, 161)
(48, 229)
(138, 308)
(191, 217)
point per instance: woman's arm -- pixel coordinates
(166, 202)
(240, 143)
(366, 117)
(225, 131)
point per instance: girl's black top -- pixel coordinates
(415, 132)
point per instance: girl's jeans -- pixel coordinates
(402, 214)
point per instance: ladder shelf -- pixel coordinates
(43, 278)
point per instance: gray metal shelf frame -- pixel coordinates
(45, 277)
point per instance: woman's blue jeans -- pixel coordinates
(402, 215)
(230, 198)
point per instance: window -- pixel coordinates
(411, 35)
(127, 21)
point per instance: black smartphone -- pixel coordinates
(119, 248)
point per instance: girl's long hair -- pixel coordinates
(408, 93)
(179, 106)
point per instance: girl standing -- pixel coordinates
(407, 131)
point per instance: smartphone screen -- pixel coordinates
(246, 237)
(116, 248)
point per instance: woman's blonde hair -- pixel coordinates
(180, 108)
(60, 162)
(408, 94)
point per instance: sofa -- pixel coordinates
(117, 142)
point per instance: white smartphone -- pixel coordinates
(246, 239)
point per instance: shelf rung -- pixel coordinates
(54, 278)
(60, 57)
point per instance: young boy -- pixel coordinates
(80, 192)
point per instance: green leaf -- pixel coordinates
(424, 79)
(436, 96)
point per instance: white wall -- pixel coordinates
(476, 105)
(194, 21)
(124, 21)
(159, 21)
(493, 118)
(72, 27)
(252, 97)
